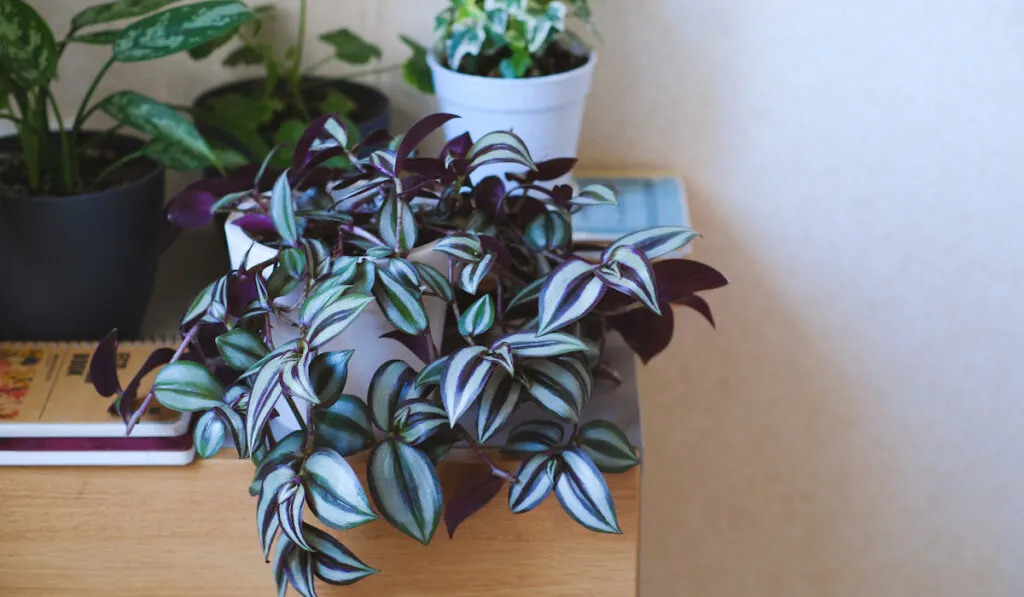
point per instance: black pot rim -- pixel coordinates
(380, 104)
(156, 171)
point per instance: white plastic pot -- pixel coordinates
(547, 112)
(363, 335)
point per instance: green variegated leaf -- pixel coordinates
(329, 372)
(498, 140)
(287, 453)
(28, 51)
(333, 319)
(185, 386)
(628, 270)
(295, 377)
(278, 352)
(235, 426)
(318, 258)
(393, 213)
(405, 272)
(465, 40)
(419, 420)
(596, 194)
(157, 120)
(501, 156)
(501, 354)
(478, 318)
(322, 297)
(266, 392)
(293, 566)
(344, 427)
(405, 487)
(333, 562)
(608, 447)
(560, 384)
(97, 38)
(497, 402)
(550, 231)
(533, 437)
(291, 501)
(365, 278)
(391, 381)
(464, 380)
(530, 345)
(241, 349)
(431, 374)
(282, 210)
(584, 495)
(435, 281)
(201, 303)
(345, 268)
(267, 521)
(115, 11)
(401, 305)
(335, 494)
(654, 242)
(179, 29)
(536, 480)
(209, 434)
(572, 290)
(349, 47)
(474, 273)
(461, 247)
(530, 292)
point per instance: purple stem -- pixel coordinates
(138, 414)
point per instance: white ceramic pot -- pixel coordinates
(363, 336)
(547, 112)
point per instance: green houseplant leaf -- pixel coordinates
(349, 47)
(115, 11)
(335, 493)
(584, 495)
(405, 487)
(187, 387)
(27, 48)
(536, 480)
(157, 119)
(608, 447)
(179, 29)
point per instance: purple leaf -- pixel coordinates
(699, 305)
(547, 171)
(425, 167)
(474, 492)
(303, 148)
(103, 368)
(206, 338)
(191, 208)
(498, 248)
(458, 147)
(562, 195)
(418, 344)
(419, 131)
(379, 137)
(160, 356)
(257, 225)
(680, 278)
(646, 332)
(315, 161)
(489, 195)
(241, 292)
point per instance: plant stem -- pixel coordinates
(113, 167)
(301, 41)
(312, 68)
(83, 110)
(137, 415)
(68, 164)
(364, 234)
(298, 415)
(482, 454)
(100, 138)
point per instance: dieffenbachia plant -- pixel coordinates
(527, 320)
(53, 148)
(506, 37)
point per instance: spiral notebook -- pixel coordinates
(50, 414)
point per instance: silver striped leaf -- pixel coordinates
(344, 268)
(266, 392)
(536, 476)
(461, 247)
(328, 374)
(404, 271)
(209, 434)
(390, 382)
(497, 403)
(629, 271)
(241, 348)
(584, 495)
(185, 386)
(572, 290)
(334, 563)
(530, 292)
(500, 156)
(393, 213)
(607, 446)
(400, 304)
(365, 278)
(334, 492)
(282, 210)
(318, 258)
(474, 273)
(478, 317)
(293, 262)
(561, 384)
(435, 281)
(236, 426)
(291, 502)
(267, 521)
(333, 319)
(498, 139)
(550, 231)
(464, 380)
(277, 353)
(405, 487)
(418, 421)
(596, 194)
(323, 296)
(344, 426)
(431, 374)
(383, 162)
(532, 437)
(201, 303)
(501, 354)
(287, 452)
(217, 311)
(295, 377)
(654, 242)
(530, 345)
(293, 566)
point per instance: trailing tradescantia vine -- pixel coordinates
(527, 322)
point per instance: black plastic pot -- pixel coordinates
(76, 267)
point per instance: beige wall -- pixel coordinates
(855, 426)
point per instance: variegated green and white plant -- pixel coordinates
(527, 322)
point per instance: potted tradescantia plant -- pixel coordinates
(478, 317)
(514, 65)
(79, 208)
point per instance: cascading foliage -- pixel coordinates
(527, 320)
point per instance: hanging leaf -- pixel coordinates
(628, 270)
(287, 453)
(461, 247)
(596, 194)
(295, 379)
(608, 447)
(532, 437)
(266, 392)
(97, 38)
(179, 29)
(646, 332)
(293, 566)
(561, 384)
(464, 380)
(393, 210)
(235, 425)
(185, 386)
(103, 366)
(323, 296)
(343, 427)
(328, 373)
(282, 210)
(699, 305)
(500, 141)
(336, 496)
(497, 403)
(333, 563)
(28, 50)
(334, 318)
(209, 434)
(654, 242)
(267, 522)
(536, 480)
(291, 501)
(435, 281)
(405, 487)
(680, 278)
(349, 47)
(390, 382)
(400, 305)
(474, 273)
(572, 290)
(418, 345)
(241, 349)
(478, 318)
(584, 494)
(475, 491)
(530, 345)
(157, 120)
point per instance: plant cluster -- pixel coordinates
(29, 53)
(527, 317)
(512, 38)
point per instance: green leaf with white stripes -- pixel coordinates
(530, 345)
(291, 502)
(156, 119)
(391, 382)
(418, 420)
(530, 292)
(397, 225)
(596, 194)
(584, 495)
(293, 566)
(608, 447)
(335, 317)
(499, 141)
(336, 496)
(344, 426)
(474, 273)
(478, 317)
(654, 242)
(185, 386)
(436, 281)
(115, 11)
(431, 374)
(404, 271)
(203, 301)
(629, 271)
(461, 247)
(549, 231)
(532, 437)
(405, 487)
(267, 522)
(333, 562)
(536, 477)
(266, 392)
(324, 294)
(497, 403)
(401, 305)
(572, 290)
(562, 384)
(295, 377)
(329, 373)
(209, 434)
(179, 29)
(464, 380)
(241, 349)
(282, 210)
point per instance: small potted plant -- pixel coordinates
(514, 65)
(255, 114)
(80, 209)
(271, 353)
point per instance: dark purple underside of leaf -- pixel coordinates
(418, 345)
(646, 332)
(103, 367)
(473, 493)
